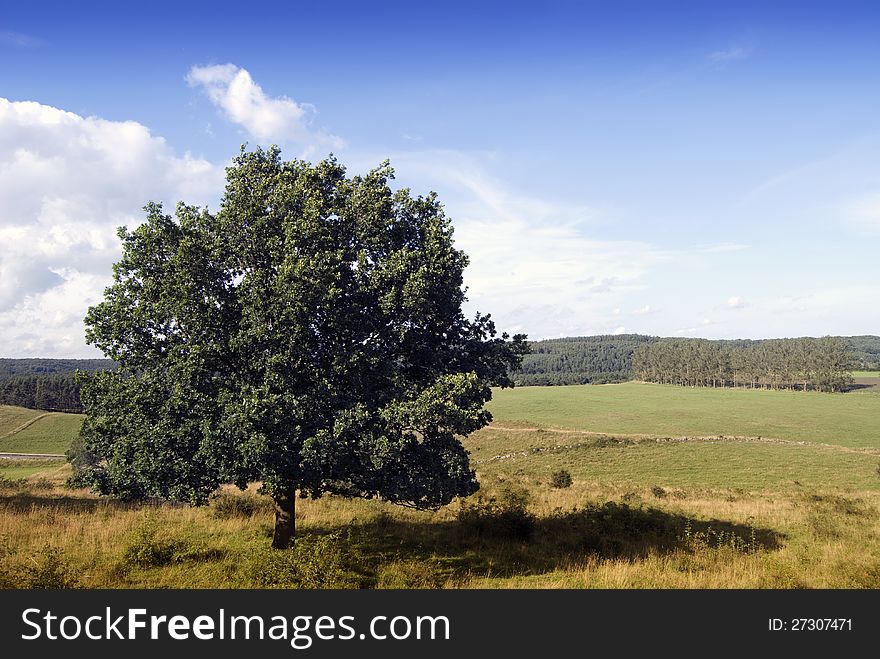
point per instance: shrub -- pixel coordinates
(720, 539)
(560, 479)
(45, 569)
(658, 492)
(310, 562)
(502, 516)
(49, 571)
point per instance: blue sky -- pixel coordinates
(680, 169)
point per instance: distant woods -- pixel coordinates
(580, 360)
(49, 384)
(804, 364)
(45, 384)
(609, 358)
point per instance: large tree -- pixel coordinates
(308, 335)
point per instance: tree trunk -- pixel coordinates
(285, 519)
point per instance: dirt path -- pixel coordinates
(715, 438)
(26, 424)
(31, 456)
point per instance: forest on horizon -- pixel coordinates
(50, 384)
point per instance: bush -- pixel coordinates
(311, 562)
(658, 492)
(560, 479)
(46, 569)
(502, 516)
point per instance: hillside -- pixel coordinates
(32, 431)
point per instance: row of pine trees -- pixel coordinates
(53, 392)
(821, 364)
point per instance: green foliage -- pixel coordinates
(309, 335)
(720, 539)
(560, 479)
(580, 360)
(44, 569)
(503, 516)
(313, 561)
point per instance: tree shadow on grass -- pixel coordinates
(512, 542)
(24, 502)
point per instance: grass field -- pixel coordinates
(701, 464)
(671, 489)
(866, 374)
(33, 431)
(851, 419)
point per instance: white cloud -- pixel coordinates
(736, 302)
(66, 183)
(243, 101)
(535, 264)
(645, 310)
(729, 55)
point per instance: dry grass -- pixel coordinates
(643, 538)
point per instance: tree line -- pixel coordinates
(46, 384)
(821, 364)
(580, 360)
(55, 393)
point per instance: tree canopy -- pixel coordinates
(308, 335)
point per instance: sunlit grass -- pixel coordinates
(849, 419)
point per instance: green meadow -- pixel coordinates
(33, 431)
(633, 408)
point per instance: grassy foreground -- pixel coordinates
(521, 533)
(678, 506)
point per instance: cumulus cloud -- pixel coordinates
(736, 302)
(66, 183)
(645, 310)
(243, 101)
